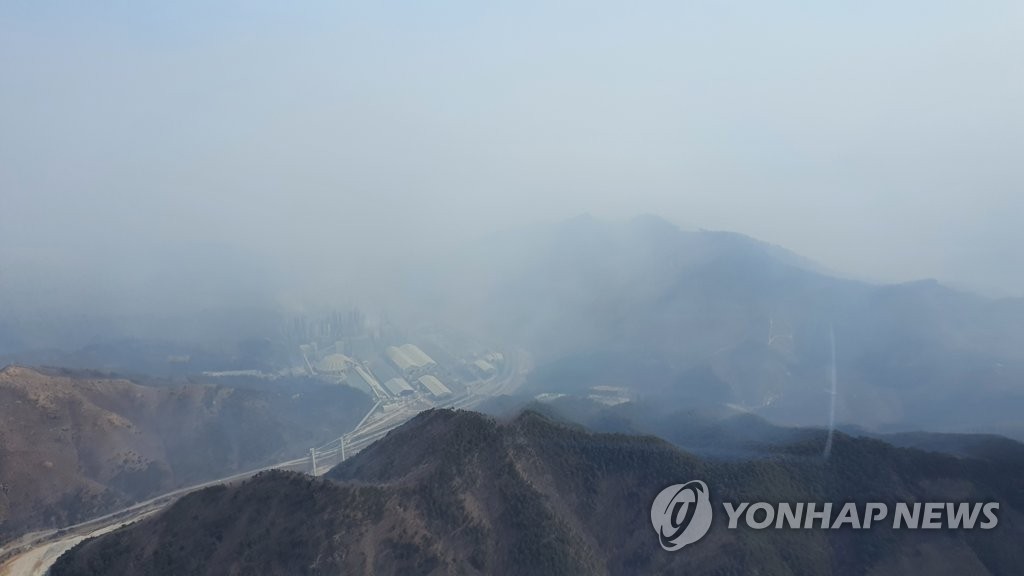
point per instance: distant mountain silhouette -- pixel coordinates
(685, 316)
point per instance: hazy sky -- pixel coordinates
(883, 139)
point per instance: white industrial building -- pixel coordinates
(399, 387)
(334, 364)
(434, 386)
(484, 368)
(409, 359)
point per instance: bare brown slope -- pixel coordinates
(73, 446)
(70, 448)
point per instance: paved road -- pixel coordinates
(512, 375)
(39, 559)
(33, 554)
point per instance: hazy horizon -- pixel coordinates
(144, 146)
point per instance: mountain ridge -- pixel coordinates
(453, 492)
(648, 298)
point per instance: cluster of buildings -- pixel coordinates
(347, 349)
(410, 360)
(411, 367)
(416, 366)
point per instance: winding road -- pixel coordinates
(33, 554)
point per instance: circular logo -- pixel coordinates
(681, 514)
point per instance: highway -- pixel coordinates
(511, 376)
(33, 554)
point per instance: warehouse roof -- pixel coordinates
(408, 356)
(398, 386)
(399, 358)
(333, 363)
(434, 385)
(484, 366)
(419, 357)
